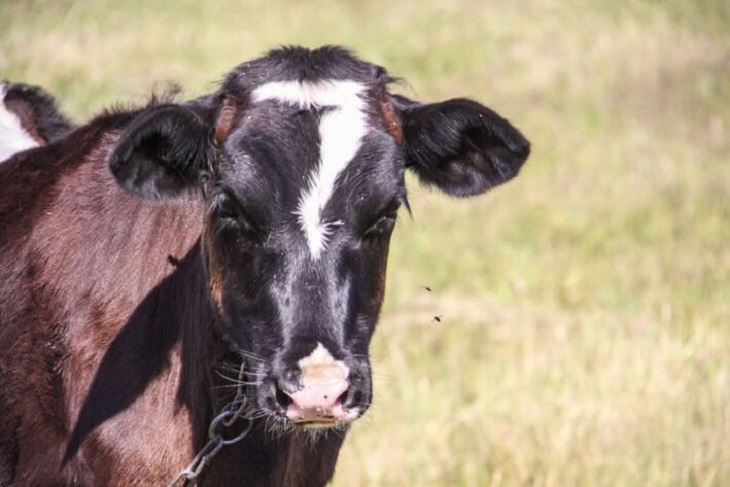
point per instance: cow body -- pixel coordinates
(149, 253)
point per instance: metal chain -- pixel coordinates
(228, 415)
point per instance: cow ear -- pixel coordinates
(162, 152)
(460, 146)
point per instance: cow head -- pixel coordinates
(301, 158)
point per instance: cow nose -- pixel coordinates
(317, 400)
(315, 391)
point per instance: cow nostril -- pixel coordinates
(344, 397)
(282, 398)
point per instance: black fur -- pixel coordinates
(460, 146)
(162, 152)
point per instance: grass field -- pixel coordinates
(585, 306)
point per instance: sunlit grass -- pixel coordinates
(585, 306)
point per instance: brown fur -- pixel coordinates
(229, 112)
(391, 119)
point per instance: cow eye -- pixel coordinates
(232, 216)
(382, 226)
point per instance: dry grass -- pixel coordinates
(585, 306)
(530, 396)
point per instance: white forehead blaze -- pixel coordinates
(340, 130)
(320, 364)
(13, 138)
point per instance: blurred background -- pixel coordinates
(569, 328)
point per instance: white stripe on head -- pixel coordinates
(13, 138)
(340, 132)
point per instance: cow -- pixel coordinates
(188, 290)
(29, 117)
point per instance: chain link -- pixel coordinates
(228, 415)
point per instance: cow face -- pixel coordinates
(300, 158)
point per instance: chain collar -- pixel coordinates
(227, 416)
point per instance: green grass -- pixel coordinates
(584, 307)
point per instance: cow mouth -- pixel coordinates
(320, 424)
(335, 416)
(323, 423)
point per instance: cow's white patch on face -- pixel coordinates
(13, 138)
(321, 364)
(340, 130)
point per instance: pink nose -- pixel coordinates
(318, 401)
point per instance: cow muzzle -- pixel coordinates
(319, 392)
